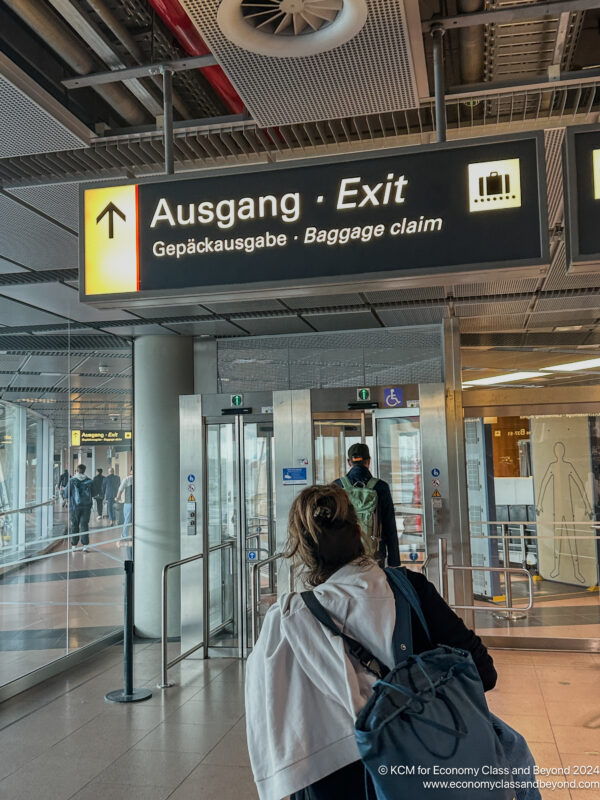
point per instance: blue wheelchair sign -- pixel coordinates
(191, 478)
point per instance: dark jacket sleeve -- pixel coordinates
(389, 532)
(446, 627)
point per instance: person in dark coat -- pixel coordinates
(98, 491)
(359, 461)
(111, 487)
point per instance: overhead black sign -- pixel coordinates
(583, 199)
(361, 219)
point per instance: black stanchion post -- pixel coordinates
(128, 694)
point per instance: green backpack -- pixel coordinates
(365, 500)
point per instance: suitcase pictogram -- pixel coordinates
(494, 184)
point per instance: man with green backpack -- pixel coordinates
(372, 501)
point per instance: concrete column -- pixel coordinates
(163, 368)
(205, 365)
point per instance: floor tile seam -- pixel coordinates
(107, 766)
(58, 696)
(203, 759)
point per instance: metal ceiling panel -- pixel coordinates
(7, 267)
(495, 287)
(273, 325)
(491, 309)
(45, 246)
(419, 315)
(324, 301)
(407, 295)
(166, 312)
(14, 313)
(245, 306)
(558, 278)
(551, 319)
(135, 330)
(512, 322)
(342, 321)
(217, 327)
(372, 73)
(32, 120)
(564, 304)
(49, 363)
(25, 381)
(58, 200)
(10, 363)
(63, 300)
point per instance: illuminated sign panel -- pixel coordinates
(357, 220)
(79, 437)
(583, 199)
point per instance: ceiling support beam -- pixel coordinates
(144, 71)
(438, 78)
(510, 14)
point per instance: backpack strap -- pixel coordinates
(363, 656)
(372, 483)
(346, 483)
(397, 578)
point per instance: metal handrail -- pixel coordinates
(255, 592)
(164, 664)
(27, 508)
(444, 568)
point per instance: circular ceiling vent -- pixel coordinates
(291, 28)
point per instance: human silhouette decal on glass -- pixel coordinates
(564, 477)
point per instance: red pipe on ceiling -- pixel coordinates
(174, 16)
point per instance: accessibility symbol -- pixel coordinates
(110, 210)
(435, 472)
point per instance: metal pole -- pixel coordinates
(128, 694)
(164, 683)
(510, 615)
(168, 120)
(442, 562)
(437, 33)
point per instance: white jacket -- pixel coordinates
(302, 691)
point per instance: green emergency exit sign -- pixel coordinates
(237, 400)
(363, 394)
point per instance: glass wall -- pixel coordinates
(61, 577)
(533, 484)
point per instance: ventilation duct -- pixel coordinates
(291, 28)
(176, 19)
(356, 58)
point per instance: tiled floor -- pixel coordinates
(62, 741)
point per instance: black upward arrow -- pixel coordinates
(111, 210)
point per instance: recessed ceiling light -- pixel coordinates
(574, 366)
(562, 328)
(509, 377)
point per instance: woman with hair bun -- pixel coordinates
(303, 689)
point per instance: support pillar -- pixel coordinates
(459, 539)
(163, 370)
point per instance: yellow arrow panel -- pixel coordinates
(111, 240)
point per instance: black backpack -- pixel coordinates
(82, 491)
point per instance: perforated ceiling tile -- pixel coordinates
(13, 313)
(240, 307)
(59, 200)
(342, 322)
(62, 300)
(26, 127)
(372, 73)
(406, 295)
(421, 315)
(554, 174)
(495, 287)
(217, 327)
(324, 301)
(6, 267)
(273, 325)
(562, 304)
(512, 322)
(491, 309)
(34, 241)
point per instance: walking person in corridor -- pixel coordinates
(79, 494)
(111, 487)
(125, 495)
